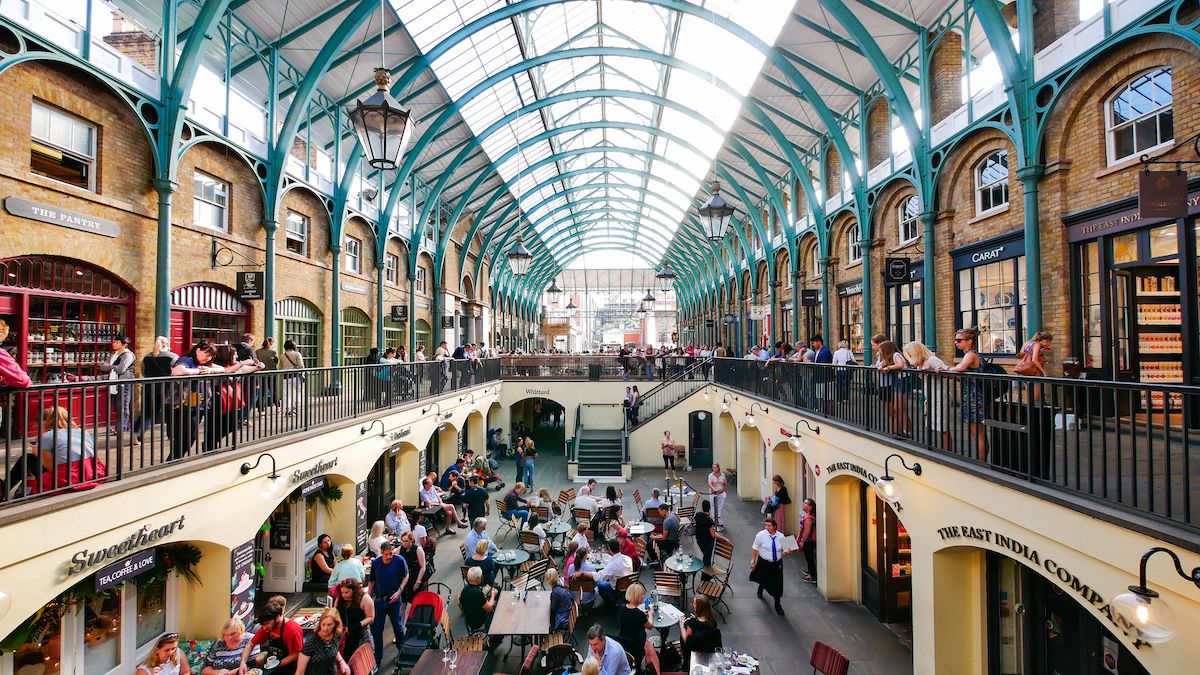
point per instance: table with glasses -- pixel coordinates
(738, 663)
(556, 530)
(687, 565)
(509, 559)
(521, 614)
(464, 663)
(664, 616)
(599, 559)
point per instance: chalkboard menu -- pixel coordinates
(281, 527)
(360, 516)
(242, 582)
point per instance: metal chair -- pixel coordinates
(530, 542)
(581, 586)
(527, 665)
(722, 560)
(668, 585)
(525, 582)
(561, 658)
(505, 521)
(827, 660)
(543, 513)
(471, 643)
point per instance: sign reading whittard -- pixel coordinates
(1031, 556)
(86, 559)
(45, 213)
(135, 565)
(317, 469)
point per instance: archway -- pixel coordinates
(542, 419)
(726, 441)
(700, 438)
(322, 504)
(785, 463)
(751, 463)
(475, 433)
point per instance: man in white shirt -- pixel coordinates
(618, 566)
(478, 532)
(843, 356)
(766, 562)
(396, 519)
(588, 502)
(716, 485)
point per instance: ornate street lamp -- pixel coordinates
(715, 214)
(641, 308)
(554, 292)
(648, 301)
(666, 278)
(519, 258)
(571, 308)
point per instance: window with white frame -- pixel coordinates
(420, 281)
(210, 202)
(1140, 117)
(991, 182)
(908, 212)
(391, 269)
(353, 251)
(816, 261)
(854, 245)
(297, 233)
(62, 147)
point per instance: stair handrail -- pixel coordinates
(575, 439)
(660, 389)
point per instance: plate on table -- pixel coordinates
(254, 671)
(271, 664)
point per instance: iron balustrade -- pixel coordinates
(1131, 445)
(666, 394)
(174, 419)
(590, 367)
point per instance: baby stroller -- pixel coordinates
(426, 613)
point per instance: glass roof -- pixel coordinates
(614, 183)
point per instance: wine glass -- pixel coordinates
(446, 651)
(453, 659)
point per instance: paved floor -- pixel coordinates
(782, 643)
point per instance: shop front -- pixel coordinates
(886, 560)
(989, 292)
(356, 336)
(293, 529)
(297, 320)
(850, 314)
(1130, 280)
(902, 293)
(810, 314)
(204, 311)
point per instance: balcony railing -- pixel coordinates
(176, 419)
(589, 367)
(1130, 445)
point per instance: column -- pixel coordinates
(868, 307)
(335, 305)
(826, 299)
(165, 188)
(1029, 176)
(929, 285)
(270, 227)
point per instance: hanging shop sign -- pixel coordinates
(810, 297)
(448, 322)
(312, 486)
(896, 270)
(148, 534)
(730, 319)
(360, 516)
(1163, 194)
(710, 323)
(851, 288)
(1022, 551)
(250, 285)
(1113, 223)
(759, 312)
(300, 475)
(241, 581)
(399, 313)
(135, 565)
(23, 208)
(1008, 246)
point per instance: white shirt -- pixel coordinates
(762, 544)
(842, 357)
(716, 484)
(587, 502)
(618, 566)
(580, 539)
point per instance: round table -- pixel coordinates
(663, 619)
(688, 566)
(639, 528)
(599, 559)
(555, 530)
(510, 558)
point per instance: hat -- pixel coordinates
(387, 546)
(622, 533)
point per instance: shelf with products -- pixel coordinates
(1159, 344)
(1159, 314)
(1157, 285)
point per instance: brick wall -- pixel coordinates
(879, 133)
(833, 172)
(885, 233)
(136, 45)
(1053, 19)
(946, 70)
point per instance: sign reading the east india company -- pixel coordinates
(1163, 194)
(23, 208)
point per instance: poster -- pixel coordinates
(281, 527)
(242, 582)
(360, 517)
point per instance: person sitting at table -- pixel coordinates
(516, 505)
(613, 508)
(396, 519)
(322, 562)
(320, 654)
(667, 541)
(282, 637)
(456, 468)
(629, 548)
(580, 536)
(534, 525)
(165, 658)
(590, 667)
(561, 601)
(607, 652)
(586, 490)
(587, 501)
(542, 498)
(698, 631)
(479, 533)
(482, 558)
(225, 655)
(651, 505)
(357, 611)
(430, 498)
(632, 622)
(349, 567)
(377, 537)
(576, 567)
(618, 566)
(477, 608)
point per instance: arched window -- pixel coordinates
(854, 245)
(991, 182)
(909, 209)
(1140, 116)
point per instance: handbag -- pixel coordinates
(231, 397)
(1026, 366)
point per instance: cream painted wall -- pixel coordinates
(568, 394)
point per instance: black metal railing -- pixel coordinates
(65, 437)
(664, 395)
(1129, 444)
(593, 367)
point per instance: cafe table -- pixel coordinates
(664, 617)
(510, 559)
(705, 659)
(468, 663)
(521, 615)
(555, 531)
(639, 528)
(685, 565)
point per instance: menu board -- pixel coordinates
(241, 582)
(360, 516)
(281, 527)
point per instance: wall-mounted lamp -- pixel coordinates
(750, 419)
(382, 429)
(885, 486)
(438, 415)
(272, 485)
(1152, 618)
(709, 390)
(468, 396)
(725, 401)
(431, 406)
(794, 436)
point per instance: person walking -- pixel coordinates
(766, 562)
(808, 538)
(1033, 361)
(706, 533)
(389, 576)
(717, 485)
(120, 367)
(773, 505)
(668, 455)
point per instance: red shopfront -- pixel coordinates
(203, 311)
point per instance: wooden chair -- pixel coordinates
(637, 501)
(527, 665)
(537, 568)
(531, 542)
(581, 586)
(668, 585)
(525, 582)
(464, 569)
(722, 560)
(640, 545)
(827, 660)
(714, 590)
(505, 521)
(591, 538)
(653, 665)
(543, 513)
(623, 583)
(556, 509)
(462, 549)
(471, 643)
(581, 515)
(686, 514)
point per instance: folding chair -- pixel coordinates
(505, 521)
(668, 585)
(525, 582)
(714, 588)
(527, 665)
(561, 658)
(471, 643)
(722, 560)
(581, 586)
(464, 569)
(623, 583)
(637, 501)
(686, 514)
(640, 545)
(543, 513)
(531, 542)
(827, 660)
(581, 515)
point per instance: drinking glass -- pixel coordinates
(446, 652)
(453, 659)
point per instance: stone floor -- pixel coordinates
(781, 643)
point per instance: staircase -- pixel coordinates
(600, 453)
(672, 391)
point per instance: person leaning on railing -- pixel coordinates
(974, 399)
(187, 400)
(293, 383)
(936, 401)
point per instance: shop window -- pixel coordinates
(991, 182)
(300, 323)
(43, 653)
(353, 255)
(851, 316)
(1140, 117)
(151, 612)
(391, 269)
(816, 261)
(1164, 242)
(393, 334)
(356, 336)
(909, 209)
(297, 233)
(210, 202)
(1093, 345)
(62, 147)
(992, 299)
(420, 282)
(102, 634)
(854, 245)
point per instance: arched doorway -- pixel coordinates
(206, 311)
(726, 443)
(700, 438)
(886, 560)
(356, 336)
(299, 320)
(423, 334)
(751, 464)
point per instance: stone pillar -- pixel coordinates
(270, 227)
(1029, 176)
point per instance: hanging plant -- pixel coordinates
(326, 496)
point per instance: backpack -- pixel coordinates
(994, 388)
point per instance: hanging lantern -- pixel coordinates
(571, 308)
(715, 214)
(382, 126)
(666, 278)
(519, 259)
(554, 292)
(648, 301)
